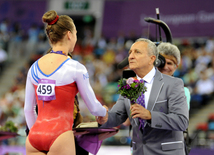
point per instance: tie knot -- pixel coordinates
(141, 80)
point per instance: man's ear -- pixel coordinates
(153, 57)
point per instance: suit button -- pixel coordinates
(144, 142)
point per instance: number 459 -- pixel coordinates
(44, 89)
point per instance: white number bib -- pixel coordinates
(46, 90)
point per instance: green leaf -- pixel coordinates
(9, 127)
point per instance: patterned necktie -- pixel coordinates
(141, 101)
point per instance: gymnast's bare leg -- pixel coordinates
(30, 150)
(59, 147)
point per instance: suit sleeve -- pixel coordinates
(117, 115)
(177, 117)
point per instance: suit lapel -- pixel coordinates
(156, 87)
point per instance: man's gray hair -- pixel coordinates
(152, 49)
(169, 50)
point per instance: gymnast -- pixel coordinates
(52, 83)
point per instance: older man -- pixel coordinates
(165, 114)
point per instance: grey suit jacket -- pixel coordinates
(163, 135)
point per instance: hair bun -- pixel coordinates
(49, 16)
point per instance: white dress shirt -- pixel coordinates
(149, 78)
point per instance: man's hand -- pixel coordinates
(103, 120)
(105, 107)
(140, 112)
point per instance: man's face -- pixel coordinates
(139, 58)
(169, 67)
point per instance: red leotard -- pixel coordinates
(54, 117)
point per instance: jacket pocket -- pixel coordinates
(172, 145)
(161, 106)
(161, 101)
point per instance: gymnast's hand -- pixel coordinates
(103, 120)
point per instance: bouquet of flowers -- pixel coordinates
(131, 88)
